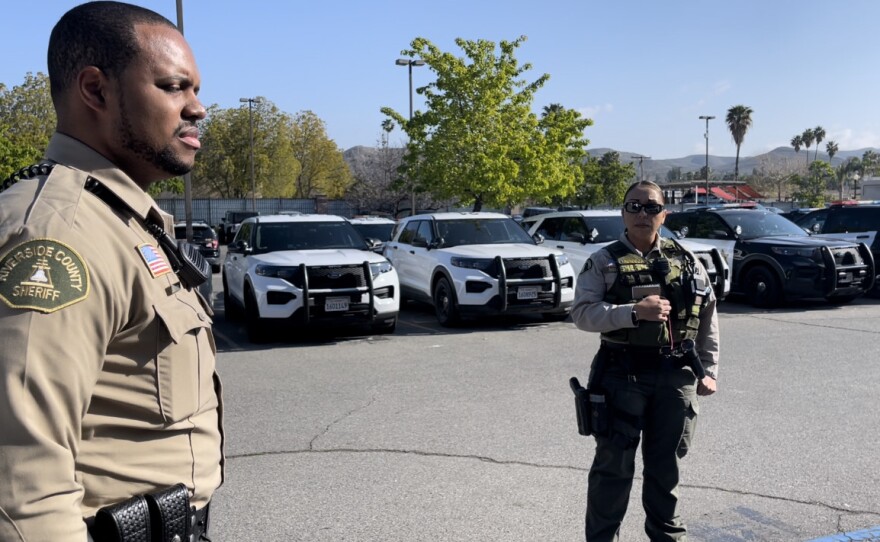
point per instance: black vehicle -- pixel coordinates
(203, 237)
(230, 223)
(773, 260)
(857, 223)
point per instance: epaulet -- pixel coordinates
(28, 172)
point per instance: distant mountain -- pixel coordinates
(779, 156)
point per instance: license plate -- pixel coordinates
(333, 304)
(528, 292)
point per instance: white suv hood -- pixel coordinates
(506, 250)
(344, 256)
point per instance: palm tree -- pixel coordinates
(739, 120)
(796, 142)
(819, 135)
(831, 149)
(807, 139)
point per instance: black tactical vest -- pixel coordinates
(676, 285)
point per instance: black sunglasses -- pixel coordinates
(635, 207)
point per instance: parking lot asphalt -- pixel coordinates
(469, 434)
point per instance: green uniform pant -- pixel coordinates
(665, 402)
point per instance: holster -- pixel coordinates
(156, 517)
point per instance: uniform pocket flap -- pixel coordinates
(180, 318)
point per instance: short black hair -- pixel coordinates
(97, 34)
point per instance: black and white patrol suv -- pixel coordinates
(471, 263)
(302, 269)
(772, 259)
(854, 222)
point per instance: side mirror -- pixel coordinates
(816, 228)
(577, 238)
(374, 244)
(594, 234)
(538, 238)
(436, 243)
(738, 230)
(683, 231)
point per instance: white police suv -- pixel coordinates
(307, 269)
(581, 233)
(473, 263)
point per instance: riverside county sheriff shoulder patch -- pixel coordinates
(43, 274)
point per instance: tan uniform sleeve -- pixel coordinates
(590, 312)
(49, 365)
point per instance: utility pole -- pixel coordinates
(707, 118)
(640, 159)
(187, 178)
(409, 63)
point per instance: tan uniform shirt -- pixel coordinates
(107, 368)
(590, 312)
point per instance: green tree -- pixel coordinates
(739, 120)
(818, 135)
(810, 188)
(797, 143)
(223, 164)
(479, 140)
(324, 171)
(376, 184)
(605, 180)
(870, 160)
(831, 148)
(674, 174)
(807, 138)
(27, 121)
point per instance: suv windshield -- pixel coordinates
(274, 236)
(382, 232)
(761, 224)
(482, 231)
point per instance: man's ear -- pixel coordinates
(92, 87)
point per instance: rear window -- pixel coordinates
(200, 233)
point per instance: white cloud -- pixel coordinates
(721, 87)
(591, 112)
(848, 139)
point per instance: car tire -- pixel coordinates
(445, 306)
(762, 287)
(231, 310)
(255, 326)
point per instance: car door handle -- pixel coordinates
(412, 251)
(560, 246)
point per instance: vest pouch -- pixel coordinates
(599, 413)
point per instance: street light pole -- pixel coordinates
(409, 63)
(707, 118)
(251, 102)
(641, 171)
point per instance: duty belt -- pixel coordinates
(643, 358)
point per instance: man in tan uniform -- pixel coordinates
(107, 372)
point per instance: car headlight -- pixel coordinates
(483, 264)
(794, 251)
(377, 268)
(277, 271)
(561, 259)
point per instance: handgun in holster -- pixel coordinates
(590, 403)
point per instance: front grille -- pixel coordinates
(846, 256)
(527, 268)
(334, 277)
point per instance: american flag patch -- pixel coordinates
(154, 260)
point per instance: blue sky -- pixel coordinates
(644, 71)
